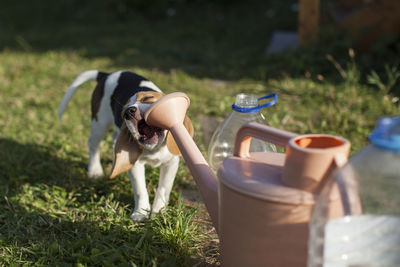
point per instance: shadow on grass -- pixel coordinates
(33, 164)
(52, 214)
(47, 240)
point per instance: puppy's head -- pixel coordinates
(147, 136)
(136, 135)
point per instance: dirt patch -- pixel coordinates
(208, 125)
(217, 83)
(210, 248)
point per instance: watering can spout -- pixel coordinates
(169, 113)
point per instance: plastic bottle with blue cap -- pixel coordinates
(368, 232)
(245, 109)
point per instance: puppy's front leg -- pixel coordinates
(138, 182)
(167, 176)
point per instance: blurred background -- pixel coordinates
(207, 38)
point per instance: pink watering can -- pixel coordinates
(261, 203)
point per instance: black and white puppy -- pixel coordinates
(121, 98)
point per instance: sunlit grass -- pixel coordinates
(53, 214)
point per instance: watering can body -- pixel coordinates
(261, 222)
(266, 199)
(261, 203)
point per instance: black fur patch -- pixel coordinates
(128, 85)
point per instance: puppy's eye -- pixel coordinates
(148, 99)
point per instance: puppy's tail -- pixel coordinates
(90, 75)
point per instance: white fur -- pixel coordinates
(86, 76)
(100, 126)
(169, 166)
(150, 85)
(154, 156)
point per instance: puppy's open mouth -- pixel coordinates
(148, 134)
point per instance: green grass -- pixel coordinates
(51, 213)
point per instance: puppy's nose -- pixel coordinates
(130, 113)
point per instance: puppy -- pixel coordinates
(121, 98)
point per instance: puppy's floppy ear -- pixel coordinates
(126, 152)
(171, 144)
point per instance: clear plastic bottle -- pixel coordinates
(367, 230)
(246, 109)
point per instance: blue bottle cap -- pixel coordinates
(258, 107)
(386, 134)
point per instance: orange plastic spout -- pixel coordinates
(169, 113)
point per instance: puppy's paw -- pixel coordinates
(154, 213)
(139, 216)
(157, 209)
(96, 172)
(95, 175)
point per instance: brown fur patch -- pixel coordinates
(126, 152)
(96, 99)
(171, 144)
(148, 97)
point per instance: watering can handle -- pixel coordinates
(262, 132)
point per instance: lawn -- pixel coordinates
(52, 214)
